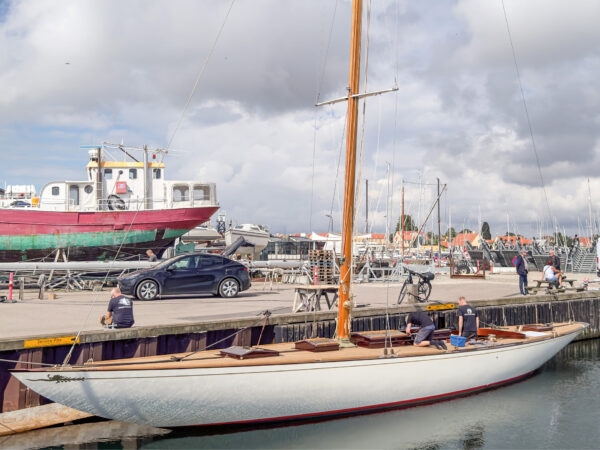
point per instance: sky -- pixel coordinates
(81, 72)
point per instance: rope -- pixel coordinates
(535, 152)
(265, 313)
(68, 357)
(319, 86)
(27, 362)
(200, 76)
(357, 198)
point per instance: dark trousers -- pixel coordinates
(523, 284)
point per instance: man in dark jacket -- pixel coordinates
(425, 333)
(555, 260)
(522, 270)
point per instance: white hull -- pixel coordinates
(203, 396)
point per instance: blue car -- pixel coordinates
(187, 274)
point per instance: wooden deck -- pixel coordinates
(289, 355)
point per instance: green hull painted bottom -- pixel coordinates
(86, 246)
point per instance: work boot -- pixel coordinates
(443, 344)
(436, 344)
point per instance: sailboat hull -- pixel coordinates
(276, 392)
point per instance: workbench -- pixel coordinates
(308, 298)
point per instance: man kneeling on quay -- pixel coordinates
(120, 311)
(425, 333)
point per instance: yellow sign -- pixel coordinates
(50, 342)
(441, 307)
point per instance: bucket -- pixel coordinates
(457, 341)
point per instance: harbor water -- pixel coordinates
(558, 408)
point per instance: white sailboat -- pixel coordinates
(290, 382)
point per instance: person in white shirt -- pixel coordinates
(551, 273)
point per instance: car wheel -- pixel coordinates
(147, 290)
(229, 288)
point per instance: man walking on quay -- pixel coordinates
(522, 270)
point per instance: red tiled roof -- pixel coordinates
(461, 239)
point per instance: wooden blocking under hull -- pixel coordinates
(248, 352)
(317, 345)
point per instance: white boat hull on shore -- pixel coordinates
(214, 396)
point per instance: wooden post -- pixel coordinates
(402, 224)
(42, 284)
(21, 288)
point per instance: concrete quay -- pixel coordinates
(72, 311)
(40, 331)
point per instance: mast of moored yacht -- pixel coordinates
(345, 301)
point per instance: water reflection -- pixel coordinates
(81, 436)
(554, 409)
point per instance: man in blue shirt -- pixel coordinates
(120, 311)
(522, 270)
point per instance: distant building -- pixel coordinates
(461, 239)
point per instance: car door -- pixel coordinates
(210, 271)
(182, 277)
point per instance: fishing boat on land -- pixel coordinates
(124, 207)
(356, 372)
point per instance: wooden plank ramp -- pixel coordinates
(38, 417)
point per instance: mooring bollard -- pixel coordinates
(21, 288)
(42, 285)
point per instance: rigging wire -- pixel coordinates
(76, 341)
(210, 53)
(319, 87)
(337, 170)
(535, 152)
(357, 197)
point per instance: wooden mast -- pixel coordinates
(345, 302)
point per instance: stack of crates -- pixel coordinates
(322, 265)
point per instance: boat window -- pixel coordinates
(201, 192)
(74, 194)
(55, 190)
(88, 189)
(181, 193)
(108, 174)
(156, 174)
(132, 174)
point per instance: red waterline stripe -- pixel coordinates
(372, 407)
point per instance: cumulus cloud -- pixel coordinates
(80, 72)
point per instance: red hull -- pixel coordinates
(31, 221)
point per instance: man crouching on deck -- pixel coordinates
(425, 333)
(120, 311)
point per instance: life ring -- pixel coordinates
(116, 203)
